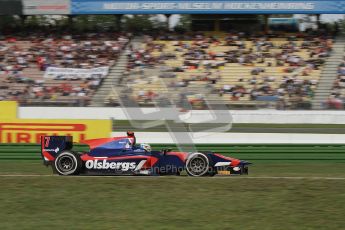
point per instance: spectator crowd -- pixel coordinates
(25, 58)
(336, 99)
(238, 67)
(234, 68)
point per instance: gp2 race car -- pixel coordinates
(122, 156)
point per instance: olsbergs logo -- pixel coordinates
(52, 150)
(124, 166)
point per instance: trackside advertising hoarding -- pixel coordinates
(14, 130)
(207, 7)
(10, 7)
(8, 110)
(42, 7)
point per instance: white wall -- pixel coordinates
(238, 116)
(242, 138)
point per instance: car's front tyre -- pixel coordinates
(197, 165)
(67, 163)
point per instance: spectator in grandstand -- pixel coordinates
(336, 99)
(22, 58)
(262, 64)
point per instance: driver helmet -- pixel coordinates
(146, 147)
(130, 133)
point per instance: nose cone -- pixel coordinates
(235, 162)
(245, 163)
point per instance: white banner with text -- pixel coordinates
(54, 72)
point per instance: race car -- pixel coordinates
(122, 156)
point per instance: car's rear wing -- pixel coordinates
(51, 146)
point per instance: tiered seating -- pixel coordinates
(23, 61)
(235, 69)
(337, 98)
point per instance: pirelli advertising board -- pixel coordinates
(14, 130)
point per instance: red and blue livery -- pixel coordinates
(122, 156)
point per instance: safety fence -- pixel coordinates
(297, 152)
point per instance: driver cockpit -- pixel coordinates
(145, 147)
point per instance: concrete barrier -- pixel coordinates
(194, 116)
(241, 138)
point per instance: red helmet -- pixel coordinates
(130, 133)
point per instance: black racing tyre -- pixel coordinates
(67, 163)
(212, 172)
(197, 165)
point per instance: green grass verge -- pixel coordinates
(180, 202)
(251, 152)
(52, 202)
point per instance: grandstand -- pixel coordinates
(24, 60)
(242, 61)
(335, 99)
(234, 69)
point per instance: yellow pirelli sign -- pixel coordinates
(8, 110)
(13, 130)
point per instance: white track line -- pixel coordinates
(218, 177)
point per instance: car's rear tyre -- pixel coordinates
(197, 165)
(67, 163)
